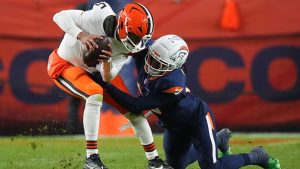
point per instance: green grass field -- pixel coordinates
(55, 152)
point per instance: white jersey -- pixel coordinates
(75, 21)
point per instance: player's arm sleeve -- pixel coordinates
(109, 70)
(141, 103)
(69, 21)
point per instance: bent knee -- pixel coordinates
(94, 99)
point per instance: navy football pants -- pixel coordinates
(198, 142)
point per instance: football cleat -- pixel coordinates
(273, 163)
(262, 158)
(94, 162)
(223, 137)
(158, 163)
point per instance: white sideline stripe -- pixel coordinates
(70, 87)
(214, 156)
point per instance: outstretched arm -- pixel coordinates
(141, 103)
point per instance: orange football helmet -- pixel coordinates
(135, 26)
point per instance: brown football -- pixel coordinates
(90, 58)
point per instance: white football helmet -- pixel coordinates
(166, 54)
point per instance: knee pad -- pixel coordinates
(95, 99)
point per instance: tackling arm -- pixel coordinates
(141, 103)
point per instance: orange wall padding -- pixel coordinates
(201, 18)
(27, 95)
(261, 54)
(32, 18)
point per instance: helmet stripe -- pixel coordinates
(150, 18)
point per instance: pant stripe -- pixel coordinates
(72, 88)
(214, 155)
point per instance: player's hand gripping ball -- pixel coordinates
(96, 55)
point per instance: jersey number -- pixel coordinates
(101, 4)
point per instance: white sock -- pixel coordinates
(142, 129)
(91, 122)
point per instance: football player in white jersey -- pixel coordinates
(128, 33)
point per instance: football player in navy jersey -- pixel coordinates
(190, 130)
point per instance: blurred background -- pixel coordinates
(244, 61)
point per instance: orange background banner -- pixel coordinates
(249, 76)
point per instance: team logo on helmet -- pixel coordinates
(167, 53)
(180, 54)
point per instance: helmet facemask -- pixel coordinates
(166, 54)
(135, 27)
(156, 67)
(134, 43)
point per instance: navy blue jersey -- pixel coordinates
(166, 96)
(190, 126)
(182, 111)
